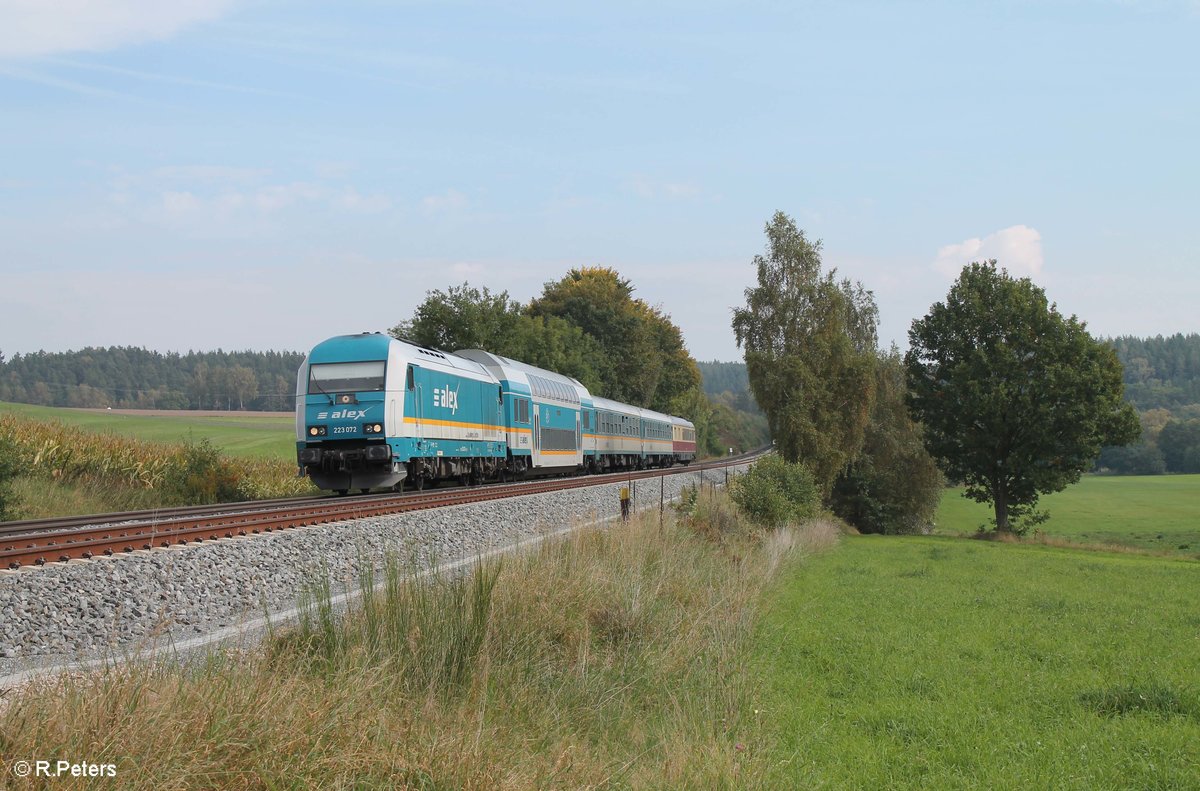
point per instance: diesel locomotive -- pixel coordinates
(373, 411)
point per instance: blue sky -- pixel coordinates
(260, 174)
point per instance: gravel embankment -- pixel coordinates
(69, 611)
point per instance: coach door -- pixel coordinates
(536, 453)
(498, 431)
(411, 385)
(578, 442)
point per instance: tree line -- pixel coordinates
(135, 378)
(1162, 379)
(1162, 372)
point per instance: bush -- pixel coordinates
(774, 492)
(1142, 459)
(9, 469)
(200, 475)
(894, 485)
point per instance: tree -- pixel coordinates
(894, 485)
(244, 384)
(465, 317)
(809, 341)
(1179, 442)
(199, 387)
(1143, 458)
(1016, 399)
(648, 364)
(461, 317)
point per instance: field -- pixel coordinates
(247, 434)
(698, 655)
(1160, 512)
(937, 662)
(75, 461)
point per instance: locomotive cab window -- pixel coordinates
(346, 377)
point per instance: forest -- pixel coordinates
(1162, 380)
(133, 378)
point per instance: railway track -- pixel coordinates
(37, 542)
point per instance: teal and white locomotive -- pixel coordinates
(373, 411)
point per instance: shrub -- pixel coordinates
(199, 474)
(774, 492)
(1142, 459)
(9, 468)
(894, 485)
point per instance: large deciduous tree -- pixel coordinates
(1016, 399)
(810, 351)
(461, 317)
(465, 317)
(649, 364)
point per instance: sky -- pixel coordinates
(259, 174)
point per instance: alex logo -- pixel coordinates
(446, 398)
(345, 414)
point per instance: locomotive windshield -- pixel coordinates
(346, 377)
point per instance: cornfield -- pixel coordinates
(57, 452)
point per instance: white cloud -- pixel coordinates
(352, 200)
(464, 270)
(1017, 249)
(41, 27)
(209, 174)
(671, 190)
(226, 202)
(450, 200)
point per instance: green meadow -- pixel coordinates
(1158, 512)
(939, 662)
(264, 436)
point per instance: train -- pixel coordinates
(373, 411)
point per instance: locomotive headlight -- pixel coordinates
(317, 431)
(373, 428)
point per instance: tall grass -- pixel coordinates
(109, 467)
(608, 659)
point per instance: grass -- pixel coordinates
(252, 436)
(942, 663)
(1159, 512)
(610, 659)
